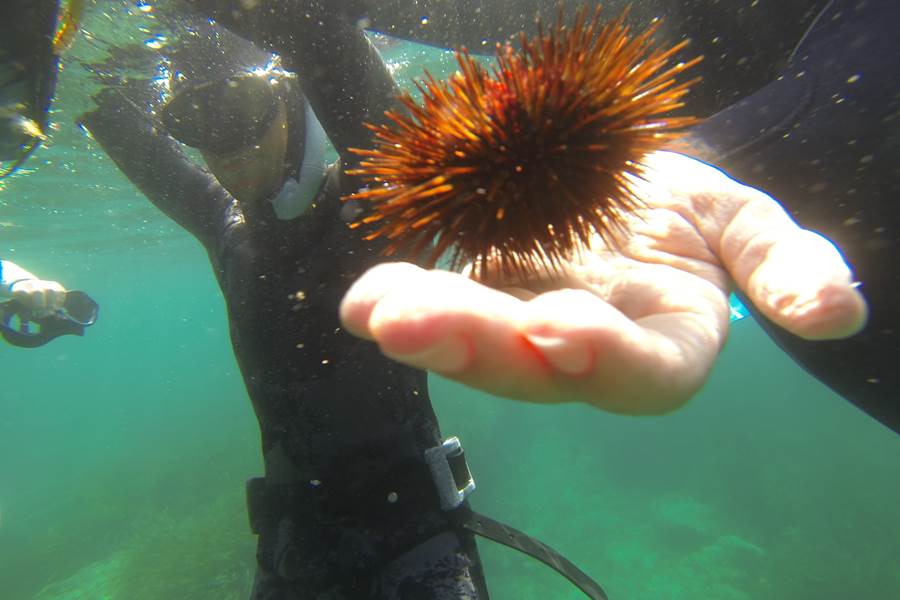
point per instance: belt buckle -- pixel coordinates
(450, 472)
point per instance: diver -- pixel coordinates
(34, 311)
(33, 34)
(361, 497)
(348, 506)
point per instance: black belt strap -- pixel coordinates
(410, 489)
(517, 540)
(453, 482)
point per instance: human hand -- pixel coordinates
(633, 331)
(42, 298)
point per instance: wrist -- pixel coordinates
(6, 290)
(10, 275)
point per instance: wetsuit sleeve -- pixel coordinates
(743, 47)
(154, 162)
(11, 273)
(476, 24)
(4, 283)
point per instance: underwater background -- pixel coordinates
(123, 454)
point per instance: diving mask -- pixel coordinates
(222, 116)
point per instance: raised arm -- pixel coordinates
(153, 161)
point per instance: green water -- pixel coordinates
(123, 454)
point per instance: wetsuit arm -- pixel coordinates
(153, 161)
(476, 24)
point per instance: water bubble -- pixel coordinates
(156, 42)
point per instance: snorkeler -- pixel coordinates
(361, 497)
(33, 34)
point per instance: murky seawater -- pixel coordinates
(123, 454)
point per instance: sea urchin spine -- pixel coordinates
(517, 167)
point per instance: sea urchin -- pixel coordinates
(516, 167)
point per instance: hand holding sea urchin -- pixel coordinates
(515, 168)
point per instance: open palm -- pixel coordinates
(635, 330)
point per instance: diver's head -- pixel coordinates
(239, 125)
(254, 171)
(230, 104)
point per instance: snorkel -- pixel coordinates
(296, 195)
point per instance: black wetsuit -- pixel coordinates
(824, 139)
(344, 429)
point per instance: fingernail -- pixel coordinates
(567, 357)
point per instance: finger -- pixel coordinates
(428, 319)
(42, 298)
(30, 296)
(801, 282)
(795, 277)
(365, 293)
(647, 366)
(55, 297)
